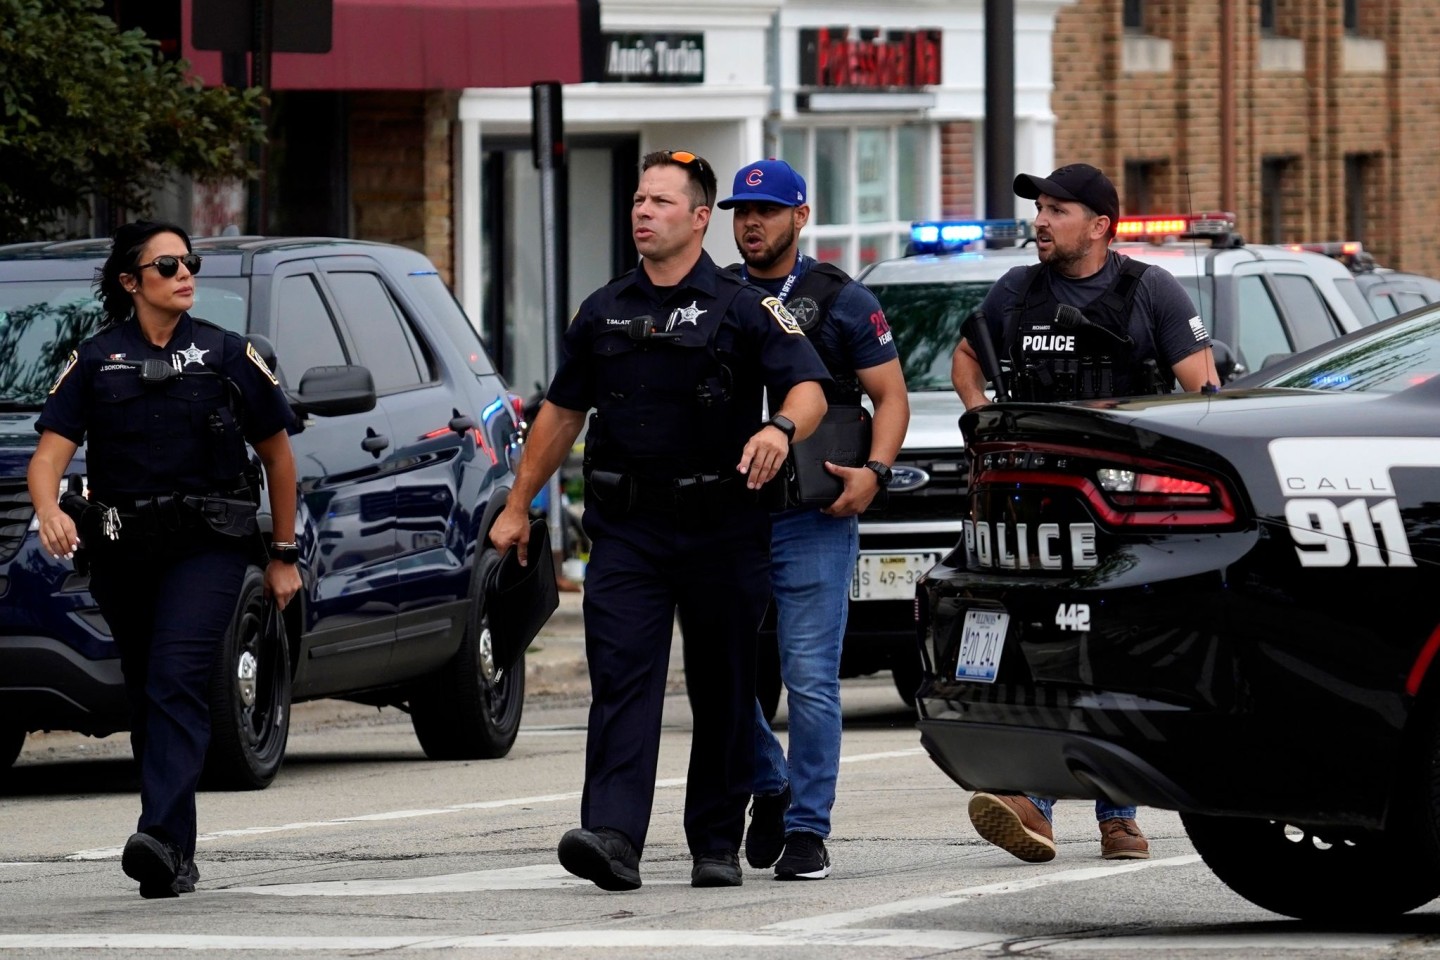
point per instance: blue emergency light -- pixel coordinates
(949, 236)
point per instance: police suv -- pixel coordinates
(1259, 303)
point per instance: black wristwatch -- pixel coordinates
(881, 471)
(284, 552)
(784, 424)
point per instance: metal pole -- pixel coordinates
(549, 151)
(261, 46)
(999, 110)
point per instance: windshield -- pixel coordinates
(41, 322)
(1400, 356)
(926, 319)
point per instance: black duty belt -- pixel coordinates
(230, 514)
(692, 494)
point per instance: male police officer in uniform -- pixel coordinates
(1083, 323)
(813, 549)
(673, 356)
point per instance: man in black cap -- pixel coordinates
(1083, 323)
(1136, 330)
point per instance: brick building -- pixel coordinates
(1309, 119)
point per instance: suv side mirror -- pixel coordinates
(334, 391)
(1224, 360)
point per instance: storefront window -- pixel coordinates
(866, 185)
(830, 187)
(912, 156)
(872, 176)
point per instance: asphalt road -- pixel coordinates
(362, 846)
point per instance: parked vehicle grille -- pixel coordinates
(15, 515)
(942, 497)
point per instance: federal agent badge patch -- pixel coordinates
(69, 365)
(782, 316)
(805, 311)
(256, 359)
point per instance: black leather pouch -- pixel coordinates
(843, 438)
(519, 600)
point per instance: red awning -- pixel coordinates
(426, 45)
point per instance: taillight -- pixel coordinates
(1121, 489)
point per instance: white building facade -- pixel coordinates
(880, 106)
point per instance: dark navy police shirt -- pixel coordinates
(148, 439)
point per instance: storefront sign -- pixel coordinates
(854, 58)
(654, 58)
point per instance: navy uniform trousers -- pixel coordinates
(168, 611)
(644, 566)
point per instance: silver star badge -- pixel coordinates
(193, 354)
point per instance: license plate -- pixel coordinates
(889, 576)
(981, 640)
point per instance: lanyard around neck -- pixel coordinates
(802, 263)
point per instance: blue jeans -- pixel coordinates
(812, 559)
(1103, 810)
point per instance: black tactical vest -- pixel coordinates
(1086, 357)
(809, 302)
(664, 392)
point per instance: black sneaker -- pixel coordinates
(718, 869)
(186, 877)
(603, 856)
(153, 863)
(765, 837)
(805, 858)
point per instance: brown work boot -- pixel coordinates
(1015, 825)
(1121, 839)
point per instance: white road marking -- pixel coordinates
(934, 940)
(537, 877)
(939, 901)
(108, 853)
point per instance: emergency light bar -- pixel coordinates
(1212, 226)
(949, 236)
(1333, 248)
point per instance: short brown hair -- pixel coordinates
(700, 174)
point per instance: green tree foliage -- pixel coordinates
(85, 109)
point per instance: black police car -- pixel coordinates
(1220, 604)
(403, 460)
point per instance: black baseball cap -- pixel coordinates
(1079, 182)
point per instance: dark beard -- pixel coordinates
(771, 255)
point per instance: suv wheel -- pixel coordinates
(1314, 874)
(249, 698)
(469, 709)
(12, 739)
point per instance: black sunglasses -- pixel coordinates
(167, 267)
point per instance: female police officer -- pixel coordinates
(167, 402)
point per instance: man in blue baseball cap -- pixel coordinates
(813, 545)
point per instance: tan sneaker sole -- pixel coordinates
(1000, 825)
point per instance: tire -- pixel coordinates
(464, 711)
(767, 673)
(12, 740)
(249, 698)
(906, 671)
(1341, 875)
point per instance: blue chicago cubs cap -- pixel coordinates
(767, 181)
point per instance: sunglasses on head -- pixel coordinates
(167, 266)
(685, 157)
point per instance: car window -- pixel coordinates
(1383, 306)
(1311, 321)
(926, 319)
(1408, 301)
(379, 330)
(1262, 335)
(1403, 355)
(305, 334)
(1355, 299)
(452, 320)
